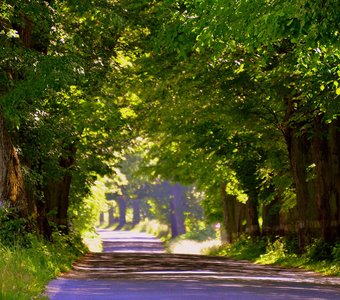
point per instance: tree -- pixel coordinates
(55, 102)
(278, 67)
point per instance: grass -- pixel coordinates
(318, 257)
(25, 271)
(155, 228)
(190, 243)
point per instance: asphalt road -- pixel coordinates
(134, 266)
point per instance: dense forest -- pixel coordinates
(237, 98)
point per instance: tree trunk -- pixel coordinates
(122, 212)
(57, 192)
(271, 225)
(111, 213)
(253, 226)
(240, 216)
(334, 153)
(57, 200)
(12, 188)
(299, 145)
(177, 210)
(136, 211)
(325, 148)
(234, 214)
(101, 218)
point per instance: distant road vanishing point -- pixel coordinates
(134, 266)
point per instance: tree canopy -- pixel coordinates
(238, 98)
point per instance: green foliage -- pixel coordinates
(199, 233)
(278, 250)
(13, 230)
(319, 256)
(61, 92)
(25, 271)
(320, 250)
(336, 252)
(243, 248)
(84, 215)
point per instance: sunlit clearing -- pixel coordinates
(92, 241)
(192, 247)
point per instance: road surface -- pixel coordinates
(134, 266)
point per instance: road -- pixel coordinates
(134, 266)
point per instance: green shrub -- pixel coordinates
(243, 248)
(336, 252)
(25, 270)
(319, 257)
(319, 250)
(202, 234)
(276, 251)
(12, 230)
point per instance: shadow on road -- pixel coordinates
(134, 266)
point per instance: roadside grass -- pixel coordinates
(26, 270)
(190, 243)
(318, 257)
(155, 228)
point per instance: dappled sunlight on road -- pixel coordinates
(187, 267)
(134, 266)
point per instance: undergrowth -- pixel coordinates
(25, 269)
(319, 256)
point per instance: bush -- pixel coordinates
(242, 248)
(336, 252)
(319, 250)
(278, 251)
(13, 231)
(200, 235)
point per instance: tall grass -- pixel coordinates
(319, 256)
(25, 270)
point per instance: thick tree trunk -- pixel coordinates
(325, 151)
(314, 156)
(57, 192)
(234, 215)
(12, 188)
(177, 210)
(57, 201)
(240, 215)
(299, 146)
(253, 226)
(334, 153)
(323, 175)
(271, 225)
